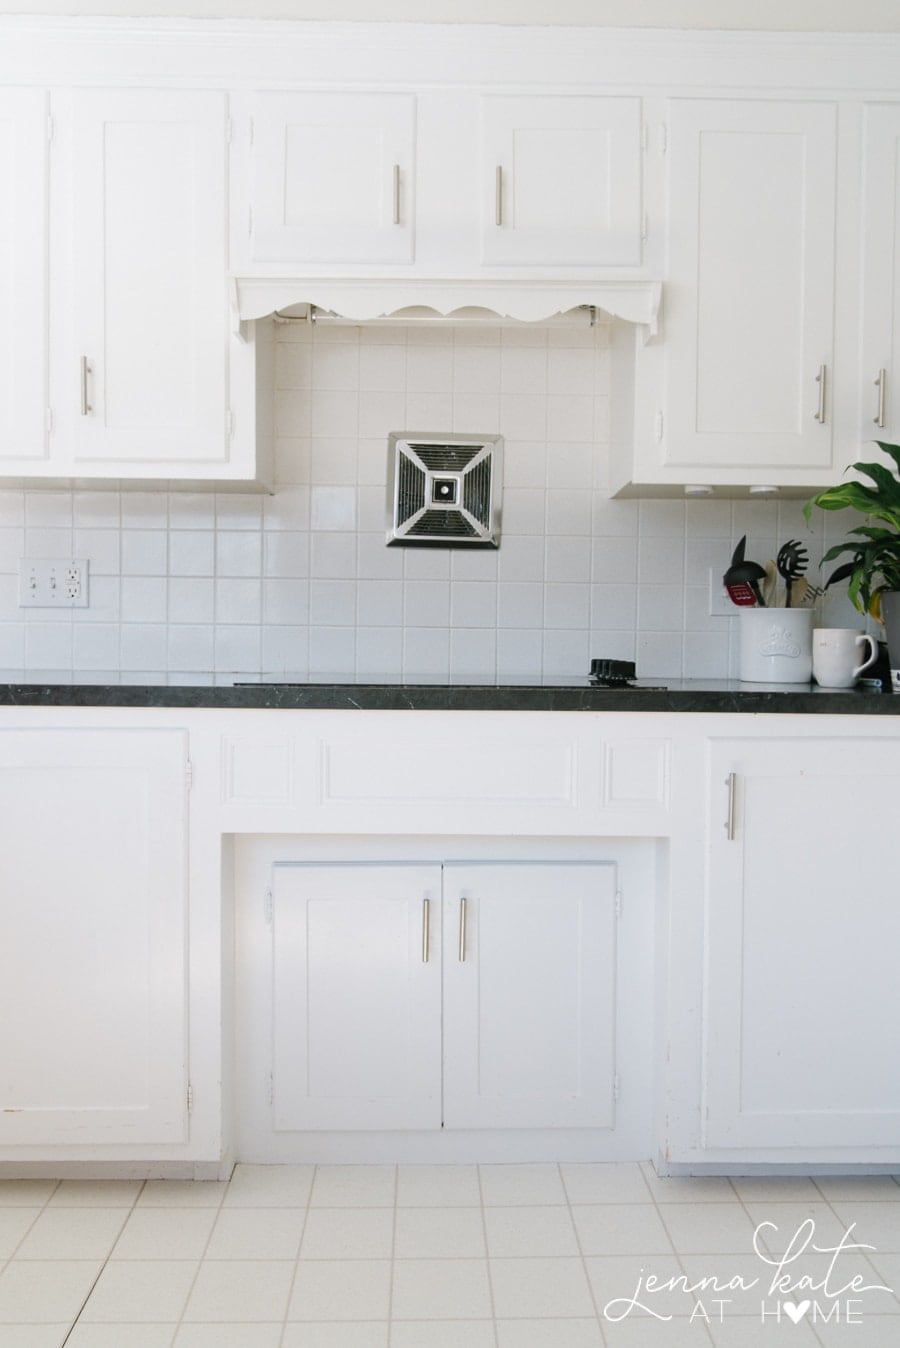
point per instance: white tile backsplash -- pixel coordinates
(302, 582)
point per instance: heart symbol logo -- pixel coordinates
(795, 1312)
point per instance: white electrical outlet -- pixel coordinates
(720, 606)
(50, 583)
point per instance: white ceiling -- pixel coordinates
(766, 15)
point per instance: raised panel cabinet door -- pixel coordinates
(146, 377)
(93, 916)
(562, 181)
(23, 277)
(332, 178)
(749, 322)
(879, 365)
(356, 996)
(802, 1040)
(529, 995)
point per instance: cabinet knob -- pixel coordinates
(85, 371)
(880, 383)
(819, 413)
(463, 907)
(498, 195)
(426, 930)
(396, 194)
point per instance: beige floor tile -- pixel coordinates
(530, 1231)
(269, 1186)
(775, 1189)
(45, 1291)
(689, 1188)
(443, 1334)
(858, 1188)
(237, 1290)
(439, 1233)
(73, 1233)
(441, 1289)
(875, 1224)
(341, 1289)
(165, 1233)
(742, 1281)
(655, 1281)
(548, 1334)
(353, 1334)
(887, 1270)
(95, 1193)
(348, 1233)
(182, 1194)
(444, 1186)
(257, 1233)
(26, 1193)
(521, 1185)
(750, 1332)
(784, 1227)
(709, 1228)
(138, 1290)
(615, 1228)
(33, 1336)
(229, 1336)
(615, 1183)
(648, 1333)
(121, 1336)
(354, 1186)
(877, 1331)
(15, 1223)
(533, 1289)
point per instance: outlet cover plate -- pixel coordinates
(46, 582)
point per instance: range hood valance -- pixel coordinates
(522, 301)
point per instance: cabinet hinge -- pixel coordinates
(190, 1097)
(663, 138)
(615, 1086)
(267, 907)
(659, 428)
(50, 126)
(618, 903)
(188, 773)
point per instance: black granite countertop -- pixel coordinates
(236, 691)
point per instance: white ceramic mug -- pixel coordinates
(775, 645)
(837, 655)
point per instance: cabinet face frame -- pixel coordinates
(23, 278)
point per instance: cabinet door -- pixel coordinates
(332, 178)
(879, 369)
(92, 956)
(23, 278)
(802, 1035)
(749, 321)
(561, 181)
(145, 376)
(356, 994)
(529, 988)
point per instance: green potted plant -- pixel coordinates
(873, 568)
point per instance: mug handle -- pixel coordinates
(873, 653)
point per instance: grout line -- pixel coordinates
(487, 1259)
(583, 1256)
(287, 1304)
(90, 1292)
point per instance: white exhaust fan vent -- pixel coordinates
(444, 490)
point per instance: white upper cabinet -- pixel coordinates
(23, 274)
(879, 360)
(145, 377)
(561, 181)
(439, 183)
(331, 179)
(739, 391)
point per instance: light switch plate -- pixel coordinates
(53, 582)
(720, 606)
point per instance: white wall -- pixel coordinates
(188, 584)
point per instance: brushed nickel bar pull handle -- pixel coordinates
(730, 782)
(880, 385)
(426, 930)
(498, 195)
(463, 906)
(85, 371)
(396, 194)
(820, 410)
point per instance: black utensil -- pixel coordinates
(791, 562)
(742, 578)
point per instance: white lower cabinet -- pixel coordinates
(93, 915)
(497, 978)
(802, 1036)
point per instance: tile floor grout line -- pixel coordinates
(675, 1250)
(287, 1305)
(90, 1292)
(390, 1306)
(583, 1258)
(495, 1329)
